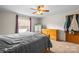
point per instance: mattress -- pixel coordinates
(28, 42)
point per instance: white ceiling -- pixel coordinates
(26, 9)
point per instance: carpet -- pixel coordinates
(64, 47)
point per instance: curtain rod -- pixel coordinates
(72, 14)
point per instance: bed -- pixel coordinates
(28, 42)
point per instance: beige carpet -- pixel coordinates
(64, 47)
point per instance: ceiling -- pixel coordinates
(26, 9)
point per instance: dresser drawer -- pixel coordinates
(74, 38)
(51, 32)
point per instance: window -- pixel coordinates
(23, 24)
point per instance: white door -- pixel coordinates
(38, 28)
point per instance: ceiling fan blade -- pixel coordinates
(45, 10)
(34, 8)
(34, 12)
(40, 7)
(39, 10)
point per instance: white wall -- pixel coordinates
(57, 22)
(0, 23)
(35, 21)
(7, 22)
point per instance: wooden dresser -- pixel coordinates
(74, 38)
(51, 32)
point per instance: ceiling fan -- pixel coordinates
(39, 10)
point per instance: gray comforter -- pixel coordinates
(24, 43)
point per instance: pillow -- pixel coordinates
(7, 40)
(13, 36)
(27, 34)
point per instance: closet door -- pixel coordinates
(38, 28)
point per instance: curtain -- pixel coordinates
(16, 27)
(68, 22)
(77, 18)
(74, 24)
(30, 23)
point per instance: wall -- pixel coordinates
(57, 22)
(0, 23)
(7, 22)
(35, 21)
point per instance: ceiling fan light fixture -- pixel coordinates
(39, 10)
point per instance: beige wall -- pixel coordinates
(7, 22)
(35, 21)
(55, 22)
